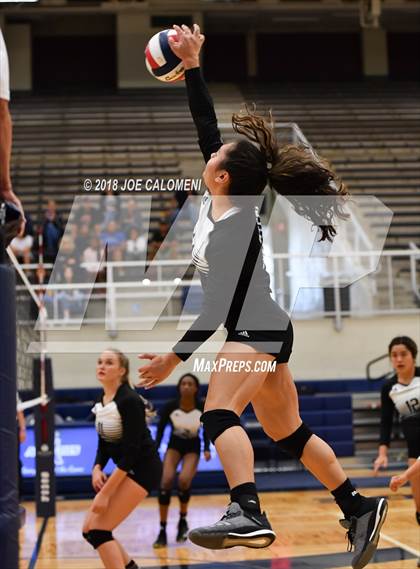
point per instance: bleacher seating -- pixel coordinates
(371, 133)
(328, 413)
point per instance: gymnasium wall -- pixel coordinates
(80, 52)
(319, 351)
(404, 59)
(309, 57)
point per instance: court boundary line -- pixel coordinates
(38, 544)
(401, 545)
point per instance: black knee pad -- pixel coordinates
(295, 443)
(217, 421)
(97, 537)
(164, 497)
(184, 496)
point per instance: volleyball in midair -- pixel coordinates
(161, 61)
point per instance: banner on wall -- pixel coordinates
(75, 450)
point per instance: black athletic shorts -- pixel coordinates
(411, 430)
(148, 473)
(185, 446)
(277, 343)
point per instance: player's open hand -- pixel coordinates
(159, 368)
(187, 44)
(98, 478)
(380, 462)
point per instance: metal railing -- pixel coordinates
(394, 290)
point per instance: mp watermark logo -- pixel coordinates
(149, 290)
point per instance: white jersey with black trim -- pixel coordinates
(202, 230)
(108, 421)
(185, 424)
(406, 398)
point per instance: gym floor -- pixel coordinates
(306, 522)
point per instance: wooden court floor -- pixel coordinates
(306, 522)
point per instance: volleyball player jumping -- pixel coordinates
(227, 245)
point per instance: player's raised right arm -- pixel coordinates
(187, 47)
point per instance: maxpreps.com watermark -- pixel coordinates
(142, 185)
(233, 366)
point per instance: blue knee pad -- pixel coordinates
(97, 537)
(164, 497)
(217, 421)
(295, 443)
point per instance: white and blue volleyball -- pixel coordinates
(161, 61)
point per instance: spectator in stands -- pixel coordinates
(131, 217)
(111, 208)
(92, 255)
(173, 208)
(22, 245)
(53, 229)
(88, 213)
(402, 394)
(82, 238)
(6, 190)
(50, 303)
(70, 300)
(135, 246)
(67, 257)
(114, 239)
(159, 242)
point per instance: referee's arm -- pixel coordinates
(6, 191)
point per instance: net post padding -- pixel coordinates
(9, 507)
(44, 438)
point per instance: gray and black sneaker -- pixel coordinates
(161, 540)
(182, 530)
(363, 533)
(236, 527)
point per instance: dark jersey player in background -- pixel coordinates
(227, 250)
(402, 394)
(123, 436)
(183, 415)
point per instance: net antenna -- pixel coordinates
(370, 13)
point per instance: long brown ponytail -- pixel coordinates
(295, 171)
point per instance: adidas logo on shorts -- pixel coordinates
(244, 333)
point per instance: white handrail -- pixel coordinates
(413, 272)
(146, 290)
